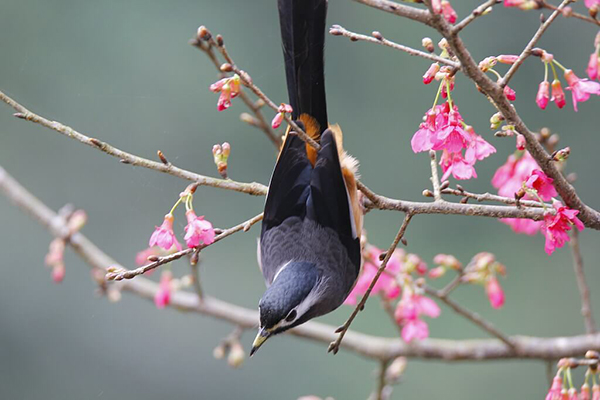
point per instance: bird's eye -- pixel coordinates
(291, 316)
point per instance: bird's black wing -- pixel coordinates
(290, 184)
(303, 37)
(329, 203)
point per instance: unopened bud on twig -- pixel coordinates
(203, 33)
(562, 154)
(226, 67)
(427, 44)
(162, 157)
(427, 193)
(236, 355)
(220, 41)
(496, 120)
(220, 155)
(377, 35)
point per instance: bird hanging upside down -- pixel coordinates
(310, 252)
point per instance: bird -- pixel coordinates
(309, 248)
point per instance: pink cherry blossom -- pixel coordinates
(592, 68)
(478, 148)
(555, 390)
(386, 283)
(162, 298)
(452, 137)
(509, 178)
(542, 183)
(408, 313)
(430, 73)
(163, 236)
(580, 88)
(494, 292)
(558, 95)
(521, 142)
(572, 393)
(454, 164)
(141, 258)
(596, 392)
(229, 89)
(555, 227)
(543, 95)
(523, 225)
(585, 392)
(198, 230)
(448, 12)
(426, 136)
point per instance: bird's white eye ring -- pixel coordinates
(291, 316)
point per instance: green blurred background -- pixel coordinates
(122, 71)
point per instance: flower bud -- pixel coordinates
(430, 73)
(236, 355)
(496, 120)
(507, 59)
(427, 43)
(487, 63)
(543, 95)
(562, 154)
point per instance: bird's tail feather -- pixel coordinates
(303, 37)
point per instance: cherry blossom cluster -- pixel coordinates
(521, 176)
(398, 281)
(444, 8)
(581, 89)
(55, 256)
(229, 88)
(443, 128)
(197, 231)
(562, 387)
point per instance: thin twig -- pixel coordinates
(129, 274)
(572, 14)
(262, 124)
(381, 381)
(476, 13)
(401, 10)
(369, 346)
(435, 180)
(335, 345)
(197, 283)
(536, 37)
(338, 30)
(584, 290)
(493, 197)
(471, 316)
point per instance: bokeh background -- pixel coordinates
(122, 71)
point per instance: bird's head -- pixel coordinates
(288, 302)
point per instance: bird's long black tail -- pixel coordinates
(303, 37)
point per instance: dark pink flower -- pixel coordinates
(448, 12)
(452, 137)
(494, 292)
(596, 392)
(454, 164)
(509, 178)
(543, 95)
(437, 6)
(585, 392)
(541, 183)
(580, 88)
(434, 120)
(229, 89)
(555, 390)
(386, 283)
(162, 298)
(198, 230)
(572, 393)
(430, 73)
(510, 93)
(592, 68)
(163, 236)
(558, 95)
(555, 227)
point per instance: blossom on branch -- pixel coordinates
(278, 119)
(408, 315)
(229, 89)
(542, 184)
(162, 298)
(555, 227)
(580, 88)
(198, 230)
(163, 236)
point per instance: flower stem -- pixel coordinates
(448, 93)
(175, 206)
(559, 64)
(554, 71)
(437, 96)
(545, 72)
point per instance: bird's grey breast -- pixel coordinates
(299, 239)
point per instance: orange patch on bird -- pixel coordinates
(313, 130)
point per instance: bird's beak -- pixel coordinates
(262, 337)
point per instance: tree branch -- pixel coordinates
(476, 13)
(362, 344)
(338, 30)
